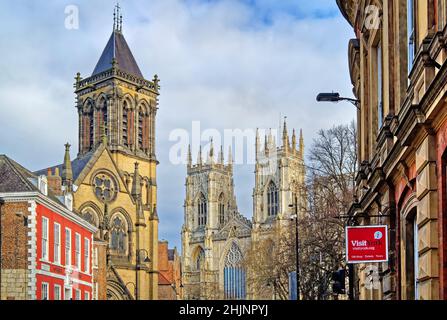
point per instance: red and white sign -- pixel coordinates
(366, 244)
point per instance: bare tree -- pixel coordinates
(268, 263)
(329, 188)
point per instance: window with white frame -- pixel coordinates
(57, 243)
(44, 292)
(77, 294)
(44, 238)
(57, 292)
(86, 255)
(67, 247)
(86, 295)
(78, 251)
(95, 257)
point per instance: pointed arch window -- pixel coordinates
(91, 127)
(118, 239)
(125, 124)
(141, 119)
(221, 207)
(104, 117)
(202, 210)
(200, 259)
(234, 274)
(272, 199)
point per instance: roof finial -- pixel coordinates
(114, 18)
(117, 18)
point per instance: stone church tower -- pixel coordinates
(113, 178)
(279, 182)
(214, 234)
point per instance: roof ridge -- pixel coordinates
(15, 166)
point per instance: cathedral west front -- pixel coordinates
(215, 235)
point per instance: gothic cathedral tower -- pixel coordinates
(113, 178)
(214, 234)
(279, 183)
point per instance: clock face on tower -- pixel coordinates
(105, 187)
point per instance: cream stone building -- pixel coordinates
(113, 178)
(215, 235)
(397, 63)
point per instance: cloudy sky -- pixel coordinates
(230, 64)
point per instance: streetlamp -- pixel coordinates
(297, 260)
(137, 267)
(335, 97)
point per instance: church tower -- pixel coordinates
(279, 182)
(113, 178)
(214, 234)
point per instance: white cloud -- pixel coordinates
(218, 63)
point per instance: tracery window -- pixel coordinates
(202, 211)
(90, 216)
(221, 209)
(118, 239)
(234, 274)
(272, 199)
(105, 187)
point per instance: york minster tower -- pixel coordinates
(216, 237)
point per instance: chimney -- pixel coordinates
(54, 181)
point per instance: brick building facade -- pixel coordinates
(170, 285)
(46, 249)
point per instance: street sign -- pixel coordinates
(366, 244)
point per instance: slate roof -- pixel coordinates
(117, 48)
(16, 178)
(77, 166)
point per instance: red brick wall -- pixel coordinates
(14, 261)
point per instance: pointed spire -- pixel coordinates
(230, 157)
(301, 143)
(189, 160)
(199, 156)
(136, 183)
(117, 18)
(266, 145)
(67, 172)
(293, 141)
(211, 149)
(285, 136)
(257, 144)
(270, 140)
(220, 159)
